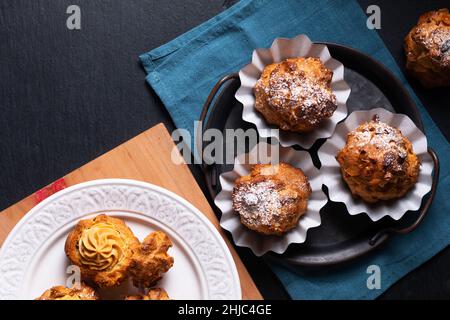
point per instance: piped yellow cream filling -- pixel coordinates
(101, 247)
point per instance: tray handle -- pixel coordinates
(423, 209)
(206, 107)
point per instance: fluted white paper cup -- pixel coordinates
(258, 243)
(281, 49)
(337, 188)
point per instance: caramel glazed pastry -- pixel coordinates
(427, 48)
(153, 294)
(378, 162)
(105, 249)
(82, 292)
(272, 198)
(295, 94)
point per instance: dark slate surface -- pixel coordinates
(67, 97)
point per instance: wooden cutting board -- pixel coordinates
(146, 157)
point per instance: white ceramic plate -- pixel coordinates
(32, 259)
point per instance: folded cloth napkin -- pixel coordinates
(183, 72)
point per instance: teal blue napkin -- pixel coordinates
(183, 71)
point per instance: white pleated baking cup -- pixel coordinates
(259, 243)
(281, 49)
(337, 188)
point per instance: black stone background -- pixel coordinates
(67, 97)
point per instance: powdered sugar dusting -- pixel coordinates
(303, 98)
(388, 140)
(437, 42)
(257, 203)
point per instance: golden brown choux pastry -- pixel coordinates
(151, 260)
(427, 48)
(272, 198)
(295, 94)
(103, 248)
(82, 292)
(152, 294)
(378, 162)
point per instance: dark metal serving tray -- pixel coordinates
(341, 237)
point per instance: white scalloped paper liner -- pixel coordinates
(258, 243)
(281, 49)
(338, 190)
